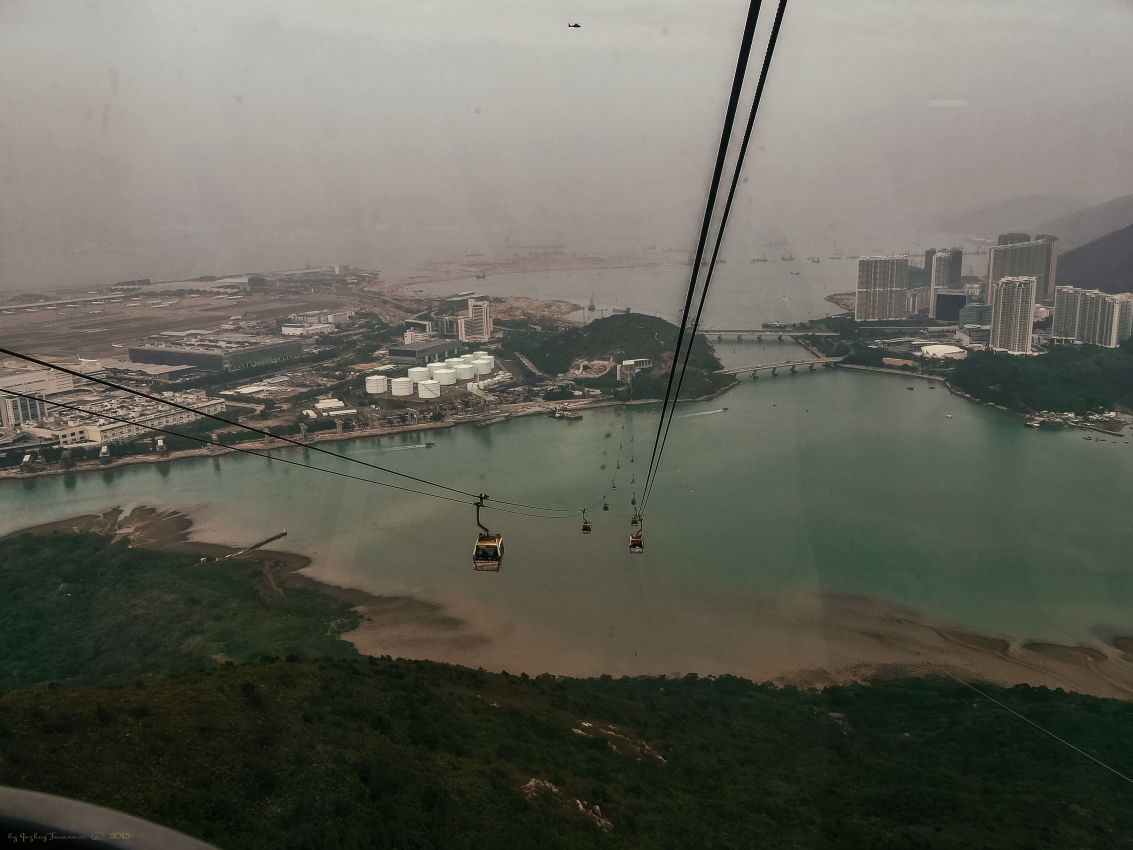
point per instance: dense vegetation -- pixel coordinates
(624, 336)
(79, 608)
(319, 752)
(1078, 379)
(398, 754)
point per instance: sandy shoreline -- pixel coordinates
(858, 638)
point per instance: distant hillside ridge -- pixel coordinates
(1077, 228)
(1105, 263)
(1014, 215)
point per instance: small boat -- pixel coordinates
(910, 388)
(949, 415)
(723, 408)
(429, 445)
(1087, 438)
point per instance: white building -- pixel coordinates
(628, 368)
(1012, 302)
(882, 282)
(36, 381)
(1091, 317)
(478, 326)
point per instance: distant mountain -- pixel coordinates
(1105, 263)
(1015, 215)
(1078, 228)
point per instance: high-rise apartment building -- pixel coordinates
(882, 282)
(1012, 302)
(478, 327)
(1013, 238)
(1035, 258)
(945, 297)
(1091, 317)
(955, 266)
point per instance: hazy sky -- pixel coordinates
(159, 139)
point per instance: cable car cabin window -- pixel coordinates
(487, 553)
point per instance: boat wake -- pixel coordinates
(704, 413)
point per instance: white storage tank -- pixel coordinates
(451, 362)
(468, 358)
(483, 355)
(401, 386)
(429, 389)
(465, 372)
(483, 367)
(446, 376)
(436, 367)
(376, 384)
(418, 374)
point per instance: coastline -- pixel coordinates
(853, 638)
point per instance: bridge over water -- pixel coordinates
(759, 333)
(792, 365)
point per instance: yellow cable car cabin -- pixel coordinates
(489, 553)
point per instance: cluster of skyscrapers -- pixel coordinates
(1000, 312)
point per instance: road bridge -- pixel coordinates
(773, 368)
(740, 334)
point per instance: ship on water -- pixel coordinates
(788, 258)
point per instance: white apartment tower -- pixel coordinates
(882, 282)
(1092, 317)
(1012, 302)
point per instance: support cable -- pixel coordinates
(720, 233)
(714, 186)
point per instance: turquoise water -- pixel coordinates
(818, 483)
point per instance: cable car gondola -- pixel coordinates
(619, 465)
(488, 553)
(636, 540)
(585, 524)
(605, 505)
(633, 501)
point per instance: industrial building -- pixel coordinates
(1090, 317)
(69, 428)
(36, 381)
(974, 325)
(17, 411)
(1028, 257)
(422, 353)
(1012, 302)
(478, 327)
(218, 354)
(882, 285)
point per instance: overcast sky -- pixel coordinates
(161, 139)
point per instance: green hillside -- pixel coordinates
(624, 336)
(79, 608)
(399, 754)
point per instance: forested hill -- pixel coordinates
(350, 752)
(1067, 379)
(625, 336)
(1105, 263)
